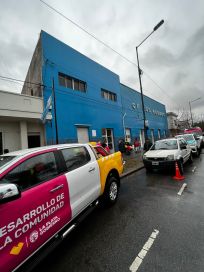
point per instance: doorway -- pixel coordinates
(152, 135)
(128, 135)
(33, 141)
(142, 137)
(107, 135)
(83, 135)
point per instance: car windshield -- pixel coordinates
(165, 145)
(187, 137)
(5, 159)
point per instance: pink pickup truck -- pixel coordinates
(45, 192)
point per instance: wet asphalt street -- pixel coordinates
(110, 240)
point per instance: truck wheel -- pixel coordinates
(111, 191)
(190, 158)
(149, 170)
(180, 165)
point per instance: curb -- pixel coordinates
(131, 171)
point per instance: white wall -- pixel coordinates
(18, 105)
(10, 135)
(14, 133)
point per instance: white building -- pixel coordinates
(20, 123)
(172, 123)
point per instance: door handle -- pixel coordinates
(92, 169)
(57, 188)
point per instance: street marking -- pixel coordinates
(194, 169)
(182, 188)
(140, 257)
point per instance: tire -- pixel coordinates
(149, 170)
(190, 158)
(197, 154)
(111, 192)
(180, 165)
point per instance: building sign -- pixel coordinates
(148, 109)
(93, 133)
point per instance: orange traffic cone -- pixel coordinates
(178, 175)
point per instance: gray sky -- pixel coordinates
(173, 56)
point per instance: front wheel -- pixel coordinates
(197, 153)
(180, 165)
(111, 191)
(190, 158)
(149, 170)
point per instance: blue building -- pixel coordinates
(88, 101)
(133, 116)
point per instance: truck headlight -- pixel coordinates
(170, 157)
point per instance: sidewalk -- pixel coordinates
(133, 162)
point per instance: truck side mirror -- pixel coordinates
(9, 192)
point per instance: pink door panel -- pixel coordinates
(28, 222)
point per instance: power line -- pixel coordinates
(18, 80)
(105, 44)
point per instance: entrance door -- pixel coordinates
(159, 134)
(142, 140)
(127, 135)
(82, 135)
(33, 141)
(152, 135)
(107, 135)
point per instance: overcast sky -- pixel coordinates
(172, 58)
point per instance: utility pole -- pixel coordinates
(145, 122)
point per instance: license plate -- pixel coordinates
(155, 163)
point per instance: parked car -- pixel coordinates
(198, 133)
(193, 141)
(44, 193)
(164, 153)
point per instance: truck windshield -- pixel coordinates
(187, 137)
(165, 145)
(5, 159)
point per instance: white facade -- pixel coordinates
(172, 123)
(172, 120)
(20, 123)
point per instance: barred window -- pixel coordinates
(108, 95)
(71, 83)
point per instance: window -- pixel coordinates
(62, 80)
(71, 83)
(107, 136)
(75, 157)
(33, 171)
(100, 151)
(127, 135)
(76, 84)
(5, 159)
(108, 95)
(165, 145)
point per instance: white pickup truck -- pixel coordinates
(164, 153)
(45, 191)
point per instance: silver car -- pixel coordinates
(193, 142)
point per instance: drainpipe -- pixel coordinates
(124, 124)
